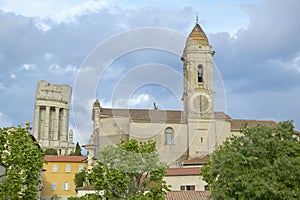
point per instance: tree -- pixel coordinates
(263, 163)
(80, 178)
(51, 151)
(21, 160)
(77, 151)
(128, 170)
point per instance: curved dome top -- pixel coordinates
(198, 35)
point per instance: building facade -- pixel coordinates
(179, 134)
(51, 117)
(59, 175)
(184, 179)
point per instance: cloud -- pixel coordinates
(263, 45)
(28, 67)
(71, 68)
(57, 11)
(266, 105)
(136, 100)
(104, 103)
(2, 87)
(260, 63)
(113, 73)
(12, 76)
(48, 56)
(68, 15)
(142, 101)
(80, 120)
(68, 69)
(54, 67)
(289, 64)
(52, 41)
(43, 26)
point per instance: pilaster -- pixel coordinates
(46, 125)
(36, 131)
(64, 126)
(56, 124)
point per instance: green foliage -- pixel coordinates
(55, 197)
(77, 151)
(80, 178)
(123, 171)
(23, 160)
(86, 197)
(263, 163)
(51, 151)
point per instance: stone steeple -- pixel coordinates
(198, 35)
(198, 93)
(197, 67)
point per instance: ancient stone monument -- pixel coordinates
(51, 117)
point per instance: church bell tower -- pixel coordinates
(198, 94)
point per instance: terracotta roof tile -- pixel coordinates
(145, 115)
(187, 195)
(52, 158)
(236, 124)
(172, 195)
(183, 171)
(197, 160)
(221, 115)
(174, 116)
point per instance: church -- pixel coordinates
(184, 138)
(180, 135)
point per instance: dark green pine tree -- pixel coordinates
(77, 150)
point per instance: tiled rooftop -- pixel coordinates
(236, 124)
(152, 115)
(187, 195)
(52, 158)
(175, 116)
(183, 171)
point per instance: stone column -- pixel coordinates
(46, 129)
(64, 126)
(56, 124)
(36, 123)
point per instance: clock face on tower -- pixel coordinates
(200, 103)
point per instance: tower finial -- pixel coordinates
(197, 20)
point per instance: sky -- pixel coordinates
(256, 65)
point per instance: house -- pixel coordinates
(183, 179)
(59, 175)
(187, 177)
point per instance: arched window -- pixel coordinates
(200, 73)
(169, 135)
